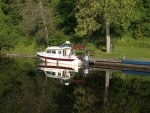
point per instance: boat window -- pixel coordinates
(66, 45)
(59, 52)
(59, 74)
(53, 51)
(48, 51)
(48, 72)
(53, 73)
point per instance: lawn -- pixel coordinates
(135, 53)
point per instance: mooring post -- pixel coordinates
(124, 57)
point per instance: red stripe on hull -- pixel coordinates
(60, 59)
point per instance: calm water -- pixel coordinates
(28, 86)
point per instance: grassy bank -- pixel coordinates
(24, 46)
(23, 49)
(136, 53)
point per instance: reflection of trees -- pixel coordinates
(129, 96)
(124, 95)
(89, 96)
(17, 92)
(23, 90)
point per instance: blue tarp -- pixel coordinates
(136, 62)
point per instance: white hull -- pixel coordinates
(60, 60)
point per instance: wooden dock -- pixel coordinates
(121, 66)
(116, 63)
(22, 56)
(112, 60)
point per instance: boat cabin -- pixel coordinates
(62, 50)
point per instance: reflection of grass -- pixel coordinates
(130, 53)
(141, 77)
(126, 76)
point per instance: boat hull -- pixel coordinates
(60, 60)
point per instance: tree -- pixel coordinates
(121, 12)
(7, 36)
(65, 15)
(141, 28)
(87, 14)
(37, 15)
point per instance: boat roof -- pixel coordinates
(57, 47)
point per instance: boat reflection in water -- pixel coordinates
(68, 73)
(63, 72)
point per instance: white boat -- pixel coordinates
(62, 72)
(60, 54)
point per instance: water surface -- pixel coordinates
(26, 88)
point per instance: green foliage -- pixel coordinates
(142, 27)
(7, 36)
(121, 12)
(128, 41)
(87, 16)
(58, 38)
(90, 14)
(64, 15)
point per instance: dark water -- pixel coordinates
(25, 88)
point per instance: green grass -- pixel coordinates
(129, 41)
(136, 53)
(24, 48)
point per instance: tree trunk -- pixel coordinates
(45, 28)
(107, 37)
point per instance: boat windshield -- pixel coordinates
(51, 51)
(48, 51)
(48, 72)
(64, 45)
